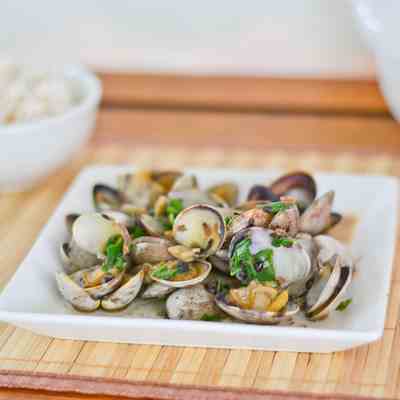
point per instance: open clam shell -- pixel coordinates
(327, 291)
(258, 317)
(106, 198)
(69, 221)
(318, 217)
(227, 191)
(291, 264)
(97, 292)
(75, 295)
(152, 225)
(184, 183)
(287, 220)
(204, 270)
(73, 255)
(91, 232)
(157, 290)
(69, 267)
(148, 249)
(124, 295)
(220, 260)
(193, 197)
(200, 226)
(329, 249)
(299, 185)
(261, 193)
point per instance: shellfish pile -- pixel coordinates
(158, 235)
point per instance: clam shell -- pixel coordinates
(220, 260)
(79, 257)
(299, 185)
(152, 226)
(200, 226)
(91, 232)
(69, 221)
(97, 292)
(206, 267)
(193, 197)
(184, 183)
(287, 220)
(74, 294)
(106, 198)
(261, 193)
(329, 248)
(157, 290)
(258, 317)
(317, 217)
(66, 260)
(147, 249)
(326, 293)
(124, 295)
(291, 264)
(228, 191)
(190, 303)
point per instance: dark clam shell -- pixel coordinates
(261, 193)
(106, 198)
(299, 185)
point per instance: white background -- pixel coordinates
(273, 37)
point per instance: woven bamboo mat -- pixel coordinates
(371, 370)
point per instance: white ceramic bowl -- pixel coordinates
(29, 151)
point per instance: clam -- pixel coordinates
(200, 226)
(192, 197)
(184, 183)
(120, 217)
(261, 193)
(97, 292)
(327, 291)
(318, 217)
(106, 198)
(287, 220)
(95, 276)
(69, 221)
(157, 290)
(329, 248)
(227, 191)
(257, 303)
(147, 249)
(166, 179)
(73, 255)
(252, 217)
(69, 267)
(183, 253)
(291, 264)
(152, 225)
(74, 294)
(140, 189)
(188, 274)
(124, 295)
(91, 232)
(258, 317)
(299, 185)
(191, 303)
(220, 260)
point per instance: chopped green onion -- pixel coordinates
(279, 241)
(344, 304)
(114, 254)
(136, 232)
(163, 272)
(276, 206)
(210, 317)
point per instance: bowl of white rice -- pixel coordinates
(45, 118)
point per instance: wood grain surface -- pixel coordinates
(341, 126)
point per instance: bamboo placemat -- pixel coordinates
(29, 360)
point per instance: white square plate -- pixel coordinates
(31, 299)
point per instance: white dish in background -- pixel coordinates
(31, 150)
(31, 299)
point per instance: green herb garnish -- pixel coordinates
(344, 304)
(279, 241)
(165, 273)
(244, 261)
(210, 317)
(228, 220)
(174, 207)
(114, 254)
(136, 231)
(276, 206)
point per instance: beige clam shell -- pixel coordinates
(191, 282)
(124, 295)
(258, 317)
(74, 294)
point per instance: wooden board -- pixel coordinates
(371, 370)
(254, 94)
